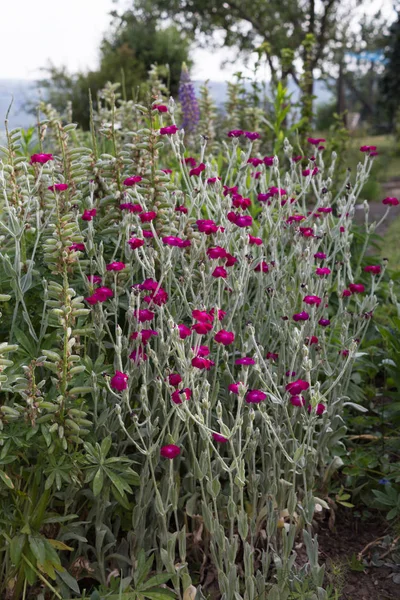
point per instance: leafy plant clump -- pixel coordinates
(179, 334)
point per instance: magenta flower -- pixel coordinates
(319, 409)
(202, 351)
(296, 387)
(41, 159)
(246, 361)
(100, 294)
(219, 272)
(184, 331)
(301, 316)
(251, 135)
(145, 335)
(171, 451)
(240, 202)
(174, 379)
(306, 172)
(255, 396)
(197, 170)
(390, 201)
(230, 190)
(244, 221)
(221, 314)
(324, 322)
(264, 197)
(77, 247)
(315, 141)
(374, 269)
(58, 187)
(176, 396)
(268, 161)
(202, 363)
(346, 293)
(170, 130)
(320, 255)
(206, 226)
(311, 340)
(221, 439)
(202, 328)
(135, 243)
(275, 191)
(160, 107)
(144, 314)
(235, 133)
(262, 267)
(132, 208)
(272, 356)
(224, 337)
(356, 288)
(167, 171)
(325, 209)
(216, 252)
(321, 271)
(129, 181)
(147, 233)
(116, 266)
(255, 161)
(255, 241)
(138, 355)
(234, 388)
(202, 316)
(297, 401)
(147, 217)
(94, 279)
(189, 160)
(368, 149)
(295, 219)
(171, 240)
(119, 381)
(212, 180)
(312, 300)
(182, 209)
(88, 214)
(306, 232)
(296, 159)
(230, 260)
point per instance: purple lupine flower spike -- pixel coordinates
(188, 100)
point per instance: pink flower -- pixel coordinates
(230, 260)
(171, 240)
(255, 396)
(171, 129)
(197, 170)
(234, 388)
(176, 396)
(135, 243)
(41, 158)
(189, 160)
(146, 217)
(159, 298)
(374, 269)
(246, 360)
(58, 187)
(129, 181)
(255, 161)
(367, 149)
(390, 201)
(320, 255)
(244, 221)
(132, 208)
(202, 328)
(262, 267)
(312, 300)
(255, 241)
(230, 190)
(346, 293)
(174, 379)
(319, 409)
(324, 322)
(301, 316)
(145, 335)
(94, 279)
(138, 355)
(322, 271)
(202, 315)
(116, 266)
(167, 171)
(119, 381)
(275, 191)
(160, 107)
(219, 272)
(202, 351)
(306, 231)
(297, 401)
(221, 314)
(171, 451)
(206, 226)
(296, 387)
(240, 202)
(356, 288)
(216, 252)
(251, 135)
(263, 197)
(272, 356)
(296, 159)
(306, 172)
(325, 209)
(217, 437)
(77, 247)
(268, 161)
(224, 337)
(295, 219)
(88, 214)
(184, 331)
(311, 340)
(315, 141)
(202, 363)
(235, 133)
(147, 233)
(143, 315)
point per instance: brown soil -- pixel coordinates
(337, 548)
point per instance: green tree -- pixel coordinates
(390, 82)
(126, 55)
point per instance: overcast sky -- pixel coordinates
(68, 32)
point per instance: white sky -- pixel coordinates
(68, 32)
